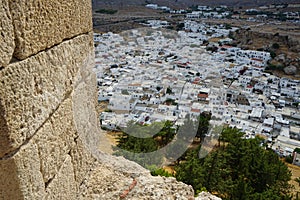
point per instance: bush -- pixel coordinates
(260, 49)
(275, 46)
(275, 67)
(289, 159)
(273, 54)
(180, 26)
(227, 26)
(159, 172)
(212, 48)
(171, 101)
(231, 35)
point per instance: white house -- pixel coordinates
(152, 6)
(194, 14)
(120, 102)
(204, 8)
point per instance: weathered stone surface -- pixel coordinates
(121, 165)
(55, 139)
(107, 183)
(63, 185)
(207, 196)
(41, 24)
(45, 154)
(7, 44)
(20, 176)
(86, 123)
(9, 183)
(82, 161)
(31, 90)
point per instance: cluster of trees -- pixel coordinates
(160, 141)
(140, 142)
(237, 168)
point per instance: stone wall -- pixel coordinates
(48, 126)
(46, 65)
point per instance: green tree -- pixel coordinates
(203, 124)
(289, 159)
(237, 169)
(180, 26)
(190, 171)
(169, 90)
(183, 138)
(166, 134)
(227, 26)
(273, 54)
(275, 46)
(137, 142)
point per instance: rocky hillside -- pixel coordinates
(283, 45)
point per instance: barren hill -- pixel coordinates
(185, 3)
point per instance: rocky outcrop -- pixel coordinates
(266, 39)
(49, 134)
(290, 70)
(134, 185)
(207, 196)
(284, 48)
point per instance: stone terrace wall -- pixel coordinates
(48, 125)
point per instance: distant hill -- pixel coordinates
(186, 3)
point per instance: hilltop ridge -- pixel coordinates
(185, 3)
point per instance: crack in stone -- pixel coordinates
(49, 48)
(14, 152)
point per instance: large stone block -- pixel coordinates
(55, 139)
(45, 161)
(46, 157)
(32, 90)
(82, 160)
(86, 123)
(7, 44)
(63, 185)
(20, 176)
(41, 24)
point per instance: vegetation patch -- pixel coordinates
(237, 168)
(107, 11)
